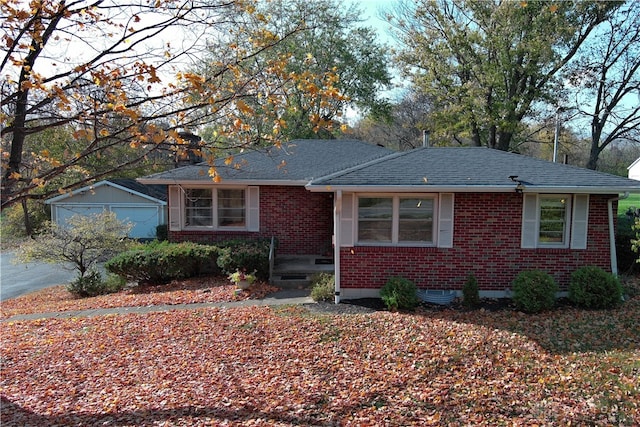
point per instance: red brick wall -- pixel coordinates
(301, 221)
(486, 243)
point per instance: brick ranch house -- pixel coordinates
(432, 215)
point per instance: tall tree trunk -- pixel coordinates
(594, 153)
(17, 128)
(27, 219)
(492, 142)
(504, 141)
(477, 141)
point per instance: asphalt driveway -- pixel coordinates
(20, 279)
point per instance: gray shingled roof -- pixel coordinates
(297, 161)
(156, 191)
(474, 169)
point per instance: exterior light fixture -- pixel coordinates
(519, 184)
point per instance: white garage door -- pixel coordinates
(144, 218)
(64, 212)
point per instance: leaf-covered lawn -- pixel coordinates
(288, 366)
(195, 290)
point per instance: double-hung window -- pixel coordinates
(198, 207)
(375, 219)
(401, 220)
(231, 208)
(555, 221)
(554, 216)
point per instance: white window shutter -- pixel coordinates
(347, 220)
(529, 221)
(253, 209)
(175, 208)
(445, 221)
(580, 221)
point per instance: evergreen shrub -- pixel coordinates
(245, 255)
(592, 287)
(534, 291)
(161, 262)
(399, 294)
(471, 292)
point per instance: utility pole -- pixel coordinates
(556, 135)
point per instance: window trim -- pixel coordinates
(395, 219)
(567, 221)
(214, 209)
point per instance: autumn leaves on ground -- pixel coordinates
(291, 366)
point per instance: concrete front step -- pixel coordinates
(291, 284)
(291, 272)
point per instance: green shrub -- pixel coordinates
(630, 287)
(12, 220)
(471, 292)
(92, 284)
(162, 232)
(161, 262)
(323, 287)
(245, 255)
(534, 291)
(592, 287)
(399, 294)
(113, 283)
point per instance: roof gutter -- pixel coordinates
(411, 188)
(225, 181)
(612, 234)
(528, 188)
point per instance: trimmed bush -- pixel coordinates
(92, 284)
(534, 291)
(592, 287)
(161, 262)
(471, 292)
(399, 294)
(245, 255)
(323, 287)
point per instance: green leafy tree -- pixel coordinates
(486, 63)
(332, 55)
(82, 242)
(54, 142)
(125, 93)
(605, 79)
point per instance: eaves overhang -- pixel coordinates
(511, 188)
(412, 188)
(223, 182)
(99, 184)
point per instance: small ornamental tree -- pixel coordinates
(83, 242)
(471, 292)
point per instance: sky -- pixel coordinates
(372, 9)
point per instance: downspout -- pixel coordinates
(612, 234)
(337, 214)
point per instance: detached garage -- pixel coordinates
(143, 205)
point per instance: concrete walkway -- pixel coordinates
(282, 297)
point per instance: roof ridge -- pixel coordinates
(361, 165)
